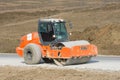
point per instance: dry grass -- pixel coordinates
(18, 18)
(15, 5)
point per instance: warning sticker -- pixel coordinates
(29, 37)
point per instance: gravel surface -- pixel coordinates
(111, 63)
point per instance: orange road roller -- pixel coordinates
(51, 44)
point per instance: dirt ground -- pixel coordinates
(37, 73)
(97, 21)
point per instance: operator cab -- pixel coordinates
(52, 30)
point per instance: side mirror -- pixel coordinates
(70, 25)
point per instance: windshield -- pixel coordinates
(60, 31)
(52, 31)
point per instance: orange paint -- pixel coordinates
(65, 52)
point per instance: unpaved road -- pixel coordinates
(111, 63)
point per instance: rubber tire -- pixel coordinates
(32, 54)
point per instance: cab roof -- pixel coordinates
(52, 20)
